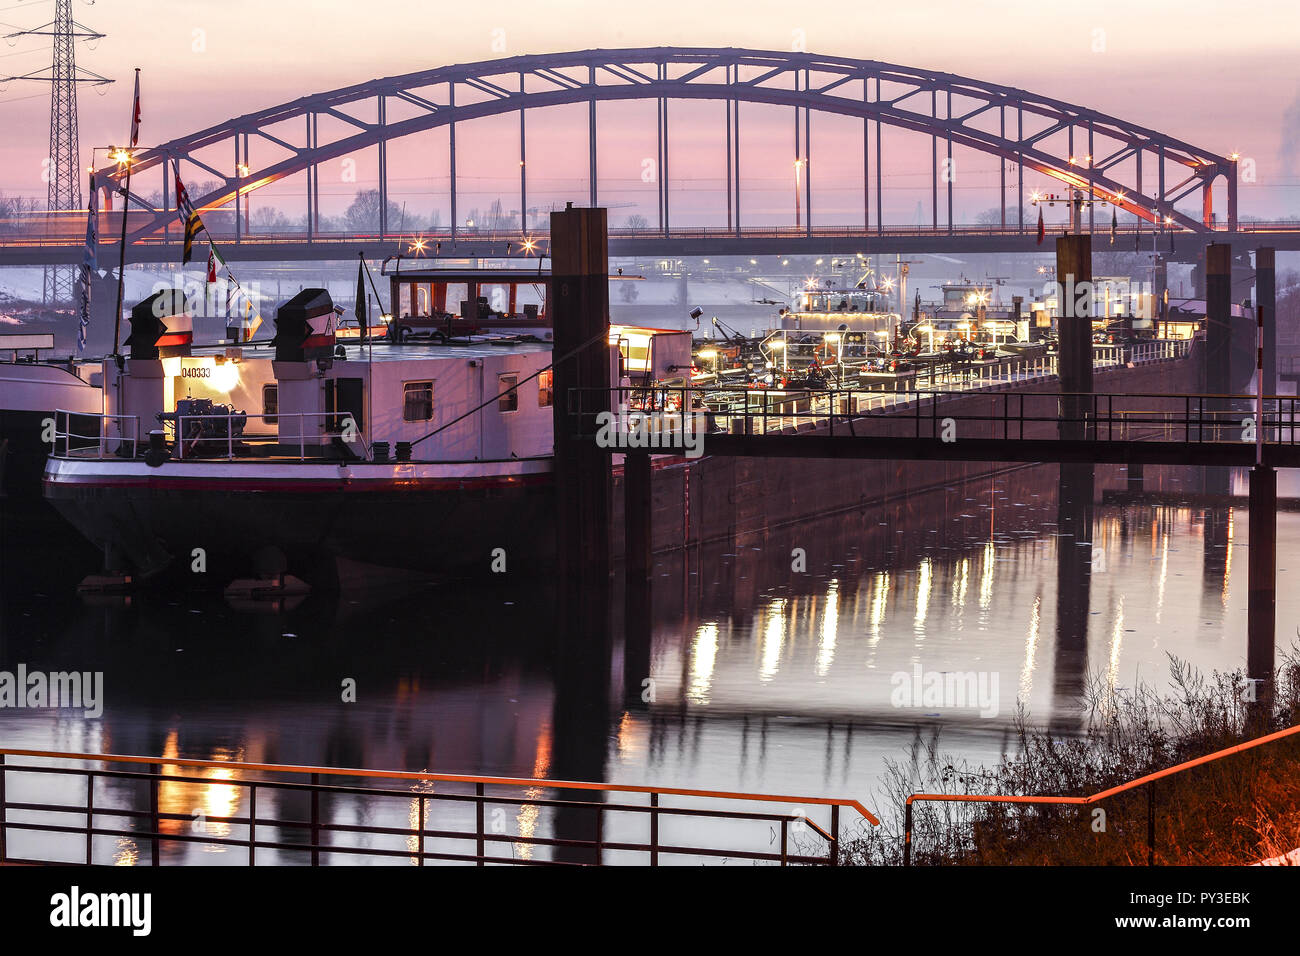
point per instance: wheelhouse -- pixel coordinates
(445, 303)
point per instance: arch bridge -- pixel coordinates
(1166, 184)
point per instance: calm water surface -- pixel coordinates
(759, 678)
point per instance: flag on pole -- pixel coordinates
(1041, 230)
(135, 113)
(193, 226)
(188, 215)
(88, 267)
(184, 208)
(212, 266)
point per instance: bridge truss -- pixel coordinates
(1136, 169)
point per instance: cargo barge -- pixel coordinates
(427, 452)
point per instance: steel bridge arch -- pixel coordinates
(802, 81)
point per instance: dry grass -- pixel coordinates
(1240, 809)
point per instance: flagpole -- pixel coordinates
(370, 379)
(126, 208)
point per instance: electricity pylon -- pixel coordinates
(63, 164)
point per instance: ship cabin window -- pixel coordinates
(509, 399)
(545, 390)
(417, 401)
(270, 403)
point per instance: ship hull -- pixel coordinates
(224, 520)
(30, 393)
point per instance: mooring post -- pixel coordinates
(1136, 476)
(583, 518)
(1074, 333)
(580, 290)
(1218, 318)
(1261, 587)
(1266, 300)
(1218, 353)
(637, 509)
(1075, 563)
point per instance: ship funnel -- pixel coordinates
(161, 325)
(304, 327)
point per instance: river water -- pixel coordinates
(756, 671)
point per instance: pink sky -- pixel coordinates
(1218, 75)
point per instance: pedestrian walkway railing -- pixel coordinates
(75, 808)
(655, 413)
(1148, 781)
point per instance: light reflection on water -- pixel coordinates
(758, 678)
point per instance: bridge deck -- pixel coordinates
(68, 248)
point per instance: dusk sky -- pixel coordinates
(1196, 70)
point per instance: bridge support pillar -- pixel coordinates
(1266, 300)
(1074, 332)
(1261, 588)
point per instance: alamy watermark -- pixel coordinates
(663, 430)
(1110, 294)
(946, 690)
(71, 690)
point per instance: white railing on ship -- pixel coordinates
(182, 440)
(102, 439)
(1138, 353)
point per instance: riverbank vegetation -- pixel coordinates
(1243, 808)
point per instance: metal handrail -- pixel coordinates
(1185, 417)
(229, 418)
(317, 827)
(1147, 780)
(102, 438)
